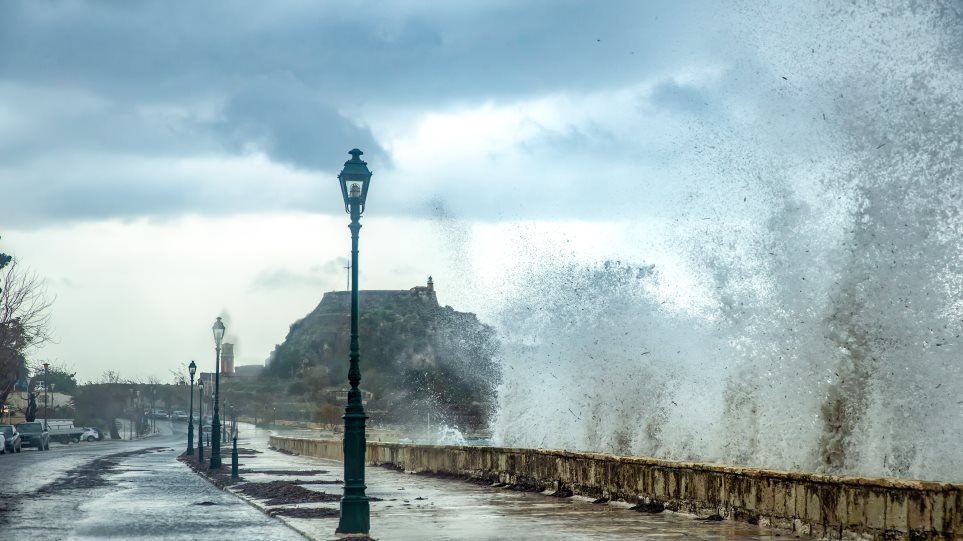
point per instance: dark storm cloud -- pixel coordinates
(400, 52)
(672, 95)
(167, 82)
(291, 123)
(96, 200)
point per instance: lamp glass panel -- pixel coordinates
(354, 189)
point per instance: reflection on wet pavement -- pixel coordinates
(138, 490)
(416, 507)
(121, 490)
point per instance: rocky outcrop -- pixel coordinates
(417, 357)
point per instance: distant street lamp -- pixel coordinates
(355, 510)
(234, 472)
(46, 367)
(200, 421)
(218, 329)
(191, 369)
(227, 406)
(130, 425)
(140, 413)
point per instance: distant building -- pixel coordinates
(340, 395)
(17, 401)
(227, 359)
(208, 378)
(248, 371)
(425, 291)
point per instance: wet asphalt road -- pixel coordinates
(121, 490)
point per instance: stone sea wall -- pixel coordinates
(820, 505)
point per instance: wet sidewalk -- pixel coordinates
(413, 507)
(122, 490)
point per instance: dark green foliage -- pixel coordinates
(4, 260)
(416, 356)
(298, 387)
(60, 378)
(99, 404)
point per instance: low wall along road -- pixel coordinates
(820, 505)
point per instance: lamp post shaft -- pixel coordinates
(200, 425)
(45, 385)
(234, 465)
(190, 422)
(354, 504)
(216, 422)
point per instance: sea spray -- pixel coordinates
(823, 230)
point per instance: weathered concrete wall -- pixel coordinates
(821, 505)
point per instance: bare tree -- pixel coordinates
(178, 377)
(109, 377)
(24, 318)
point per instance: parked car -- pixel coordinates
(34, 434)
(179, 415)
(90, 434)
(159, 414)
(11, 439)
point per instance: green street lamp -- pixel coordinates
(218, 329)
(191, 369)
(200, 420)
(355, 510)
(132, 410)
(234, 472)
(46, 367)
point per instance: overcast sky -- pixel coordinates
(164, 163)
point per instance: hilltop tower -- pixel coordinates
(227, 359)
(425, 292)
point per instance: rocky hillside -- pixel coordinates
(417, 357)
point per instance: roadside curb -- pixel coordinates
(224, 482)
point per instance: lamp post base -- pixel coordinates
(234, 474)
(355, 513)
(190, 440)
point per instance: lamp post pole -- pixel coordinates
(200, 421)
(234, 472)
(218, 329)
(227, 406)
(130, 425)
(191, 369)
(46, 367)
(355, 509)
